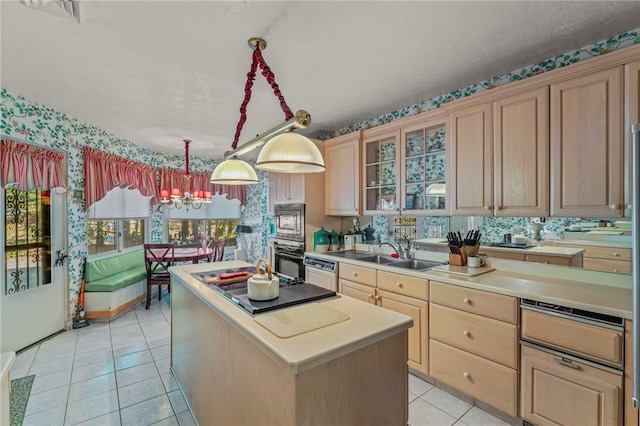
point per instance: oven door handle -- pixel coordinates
(290, 256)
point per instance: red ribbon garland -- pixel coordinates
(251, 75)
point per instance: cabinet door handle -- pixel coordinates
(567, 363)
(355, 274)
(467, 301)
(378, 297)
(466, 375)
(399, 285)
(613, 206)
(487, 207)
(615, 270)
(466, 333)
(371, 296)
(615, 254)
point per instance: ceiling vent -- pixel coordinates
(63, 8)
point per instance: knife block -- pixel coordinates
(472, 250)
(458, 259)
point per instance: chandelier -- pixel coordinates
(285, 151)
(197, 199)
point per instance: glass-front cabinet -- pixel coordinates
(424, 168)
(381, 160)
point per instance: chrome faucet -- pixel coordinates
(403, 253)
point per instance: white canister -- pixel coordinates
(349, 242)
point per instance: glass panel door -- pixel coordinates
(381, 173)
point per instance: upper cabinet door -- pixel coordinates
(587, 146)
(631, 116)
(521, 157)
(342, 177)
(471, 151)
(380, 171)
(424, 168)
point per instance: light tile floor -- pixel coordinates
(118, 373)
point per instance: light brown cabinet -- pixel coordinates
(607, 259)
(587, 145)
(471, 152)
(399, 293)
(521, 154)
(342, 176)
(561, 390)
(423, 167)
(631, 417)
(286, 188)
(473, 344)
(631, 116)
(380, 171)
(500, 156)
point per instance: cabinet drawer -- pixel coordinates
(551, 383)
(499, 254)
(403, 284)
(357, 291)
(485, 380)
(580, 338)
(486, 337)
(613, 253)
(358, 274)
(551, 260)
(619, 266)
(497, 306)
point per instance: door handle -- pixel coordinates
(61, 255)
(567, 363)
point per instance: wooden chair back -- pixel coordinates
(158, 257)
(209, 241)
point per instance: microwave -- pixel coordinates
(289, 219)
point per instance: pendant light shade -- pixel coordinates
(234, 172)
(290, 152)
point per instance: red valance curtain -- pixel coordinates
(103, 172)
(170, 179)
(30, 167)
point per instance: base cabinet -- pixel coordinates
(557, 392)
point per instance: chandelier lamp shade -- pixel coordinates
(285, 151)
(177, 199)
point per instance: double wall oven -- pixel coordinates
(289, 243)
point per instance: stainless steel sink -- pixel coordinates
(379, 259)
(415, 264)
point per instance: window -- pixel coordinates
(27, 239)
(184, 232)
(117, 221)
(218, 219)
(115, 235)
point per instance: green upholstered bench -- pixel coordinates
(114, 283)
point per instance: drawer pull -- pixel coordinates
(615, 254)
(355, 274)
(467, 301)
(378, 297)
(466, 333)
(615, 270)
(567, 363)
(371, 296)
(466, 375)
(399, 285)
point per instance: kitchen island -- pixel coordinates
(232, 370)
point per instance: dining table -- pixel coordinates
(185, 254)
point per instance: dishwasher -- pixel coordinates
(571, 366)
(321, 272)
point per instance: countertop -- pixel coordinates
(601, 292)
(594, 243)
(367, 324)
(547, 250)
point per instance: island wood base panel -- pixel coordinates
(227, 380)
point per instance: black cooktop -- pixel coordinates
(293, 291)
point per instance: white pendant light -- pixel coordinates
(234, 172)
(290, 153)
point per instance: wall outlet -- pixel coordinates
(435, 231)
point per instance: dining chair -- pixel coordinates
(209, 241)
(157, 259)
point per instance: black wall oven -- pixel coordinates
(289, 245)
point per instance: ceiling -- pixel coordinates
(157, 72)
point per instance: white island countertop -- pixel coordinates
(601, 292)
(367, 323)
